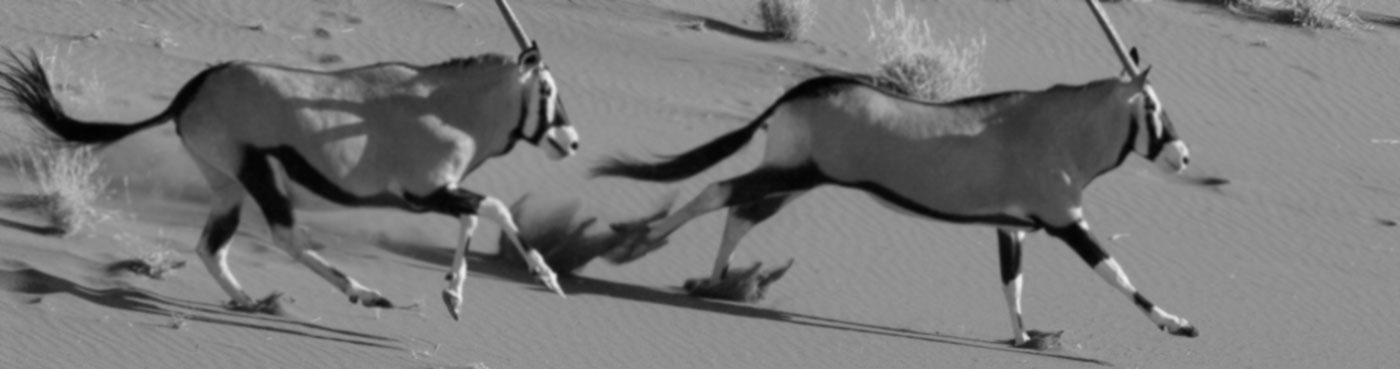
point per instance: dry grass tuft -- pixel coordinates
(67, 187)
(919, 64)
(1327, 14)
(786, 19)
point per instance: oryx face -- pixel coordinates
(545, 123)
(1156, 138)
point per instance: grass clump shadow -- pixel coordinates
(1324, 14)
(786, 20)
(66, 184)
(915, 63)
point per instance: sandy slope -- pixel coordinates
(1292, 265)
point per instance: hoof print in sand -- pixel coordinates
(746, 285)
(154, 269)
(270, 305)
(1041, 340)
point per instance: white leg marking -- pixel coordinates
(1110, 271)
(1169, 322)
(1113, 273)
(457, 277)
(497, 212)
(218, 267)
(1013, 304)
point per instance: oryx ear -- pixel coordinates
(1133, 54)
(1141, 78)
(530, 57)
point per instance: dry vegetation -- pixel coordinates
(66, 186)
(919, 64)
(63, 177)
(1306, 13)
(786, 19)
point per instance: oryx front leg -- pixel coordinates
(496, 211)
(1078, 237)
(456, 279)
(1009, 249)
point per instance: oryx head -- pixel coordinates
(1156, 139)
(544, 125)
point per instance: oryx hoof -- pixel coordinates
(543, 273)
(1186, 330)
(1040, 340)
(453, 303)
(550, 281)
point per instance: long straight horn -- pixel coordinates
(520, 36)
(1113, 37)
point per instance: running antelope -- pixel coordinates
(1018, 161)
(386, 135)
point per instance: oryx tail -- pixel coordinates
(26, 83)
(687, 164)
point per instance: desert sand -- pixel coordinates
(1291, 265)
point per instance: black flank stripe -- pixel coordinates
(907, 204)
(1142, 302)
(302, 172)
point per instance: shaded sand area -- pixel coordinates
(1292, 265)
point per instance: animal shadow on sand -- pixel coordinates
(506, 266)
(18, 278)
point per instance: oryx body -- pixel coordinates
(386, 135)
(1017, 161)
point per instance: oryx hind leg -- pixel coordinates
(742, 219)
(257, 177)
(760, 184)
(224, 210)
(466, 205)
(1078, 237)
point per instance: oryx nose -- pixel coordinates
(574, 146)
(1185, 160)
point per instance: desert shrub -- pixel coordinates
(67, 187)
(1306, 13)
(919, 63)
(786, 19)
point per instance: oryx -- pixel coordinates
(1018, 161)
(384, 135)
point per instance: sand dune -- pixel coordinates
(1291, 265)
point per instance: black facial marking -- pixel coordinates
(219, 230)
(1081, 241)
(1142, 302)
(1009, 249)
